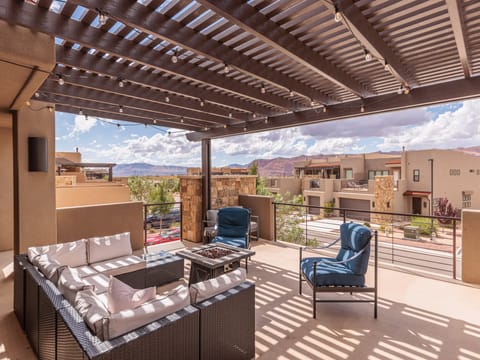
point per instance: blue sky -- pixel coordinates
(445, 126)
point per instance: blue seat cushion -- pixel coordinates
(233, 222)
(329, 274)
(238, 242)
(355, 237)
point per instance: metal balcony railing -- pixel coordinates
(162, 222)
(429, 244)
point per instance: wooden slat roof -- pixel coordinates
(221, 67)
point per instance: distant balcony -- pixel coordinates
(356, 185)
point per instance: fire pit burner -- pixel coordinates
(215, 252)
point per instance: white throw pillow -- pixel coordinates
(208, 288)
(123, 297)
(93, 312)
(108, 247)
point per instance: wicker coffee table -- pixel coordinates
(211, 260)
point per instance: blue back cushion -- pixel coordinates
(354, 237)
(233, 222)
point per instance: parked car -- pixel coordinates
(165, 221)
(165, 236)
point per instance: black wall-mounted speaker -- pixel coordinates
(37, 154)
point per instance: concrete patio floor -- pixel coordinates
(419, 317)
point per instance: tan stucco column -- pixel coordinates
(34, 192)
(471, 246)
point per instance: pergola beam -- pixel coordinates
(94, 94)
(114, 69)
(159, 25)
(249, 19)
(40, 19)
(422, 96)
(455, 12)
(372, 42)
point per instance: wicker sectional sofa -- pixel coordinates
(200, 328)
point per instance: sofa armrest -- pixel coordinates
(227, 334)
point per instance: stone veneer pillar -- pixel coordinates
(383, 196)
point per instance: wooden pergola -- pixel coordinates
(216, 68)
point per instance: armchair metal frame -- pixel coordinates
(334, 289)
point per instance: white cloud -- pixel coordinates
(83, 124)
(336, 146)
(158, 149)
(451, 129)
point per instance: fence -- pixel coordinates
(426, 243)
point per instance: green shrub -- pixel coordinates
(425, 225)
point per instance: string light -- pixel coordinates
(120, 108)
(50, 108)
(400, 90)
(312, 103)
(167, 99)
(368, 56)
(266, 121)
(80, 112)
(202, 103)
(225, 126)
(101, 18)
(230, 115)
(262, 89)
(362, 108)
(226, 68)
(338, 15)
(245, 128)
(37, 94)
(291, 93)
(254, 115)
(174, 57)
(407, 90)
(181, 120)
(324, 108)
(61, 82)
(121, 82)
(154, 121)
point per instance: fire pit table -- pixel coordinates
(211, 260)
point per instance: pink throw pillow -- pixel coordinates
(123, 297)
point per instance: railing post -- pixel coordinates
(306, 226)
(344, 216)
(145, 247)
(274, 222)
(455, 248)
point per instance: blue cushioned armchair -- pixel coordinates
(345, 272)
(233, 227)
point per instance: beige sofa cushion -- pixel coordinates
(123, 297)
(85, 270)
(102, 248)
(119, 265)
(49, 267)
(105, 325)
(98, 281)
(208, 288)
(128, 320)
(70, 253)
(93, 311)
(69, 283)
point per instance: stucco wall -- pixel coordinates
(80, 222)
(36, 201)
(470, 246)
(92, 194)
(6, 183)
(262, 206)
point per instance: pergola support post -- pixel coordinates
(206, 176)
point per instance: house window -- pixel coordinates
(466, 199)
(348, 174)
(416, 175)
(314, 184)
(371, 174)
